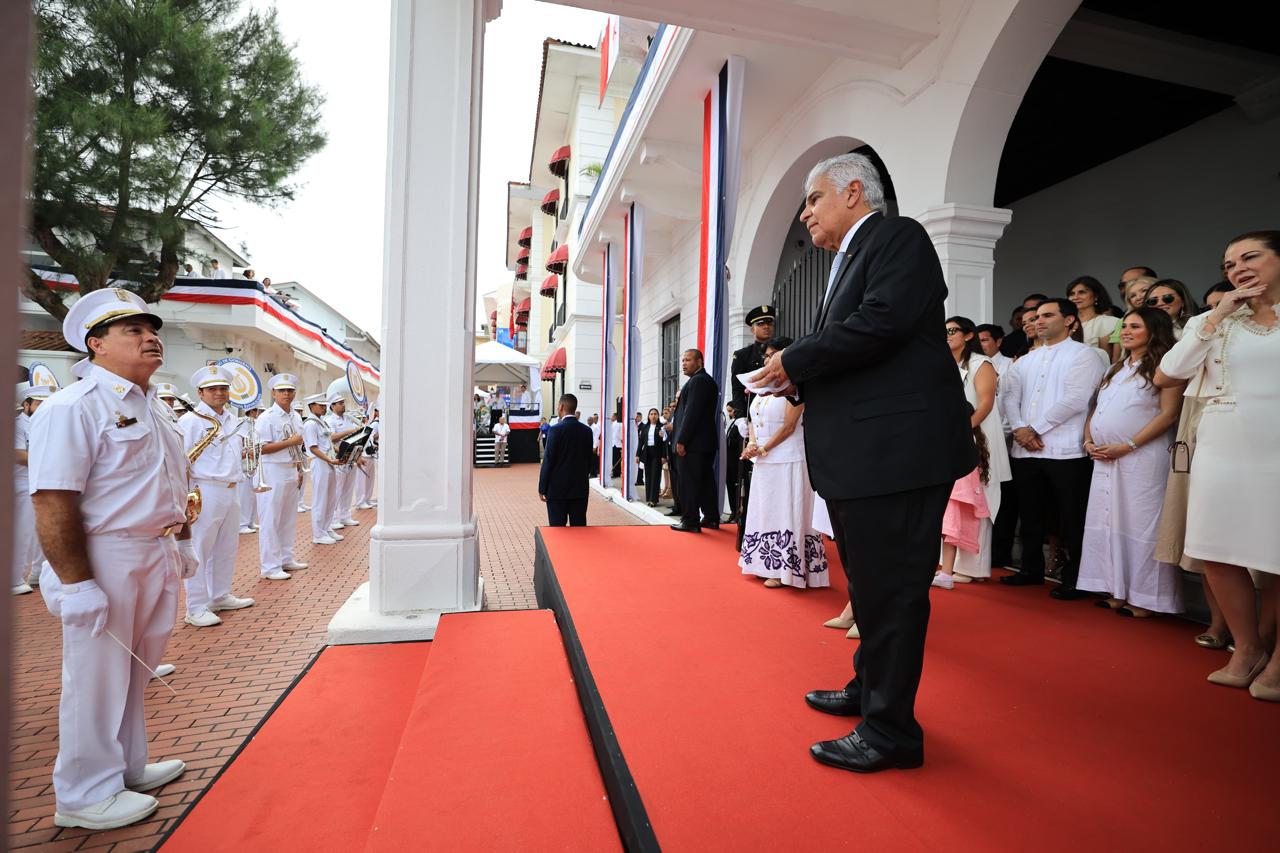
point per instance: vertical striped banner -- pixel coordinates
(607, 353)
(721, 167)
(632, 264)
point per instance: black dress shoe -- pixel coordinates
(851, 752)
(675, 510)
(711, 525)
(1066, 593)
(683, 528)
(1022, 580)
(836, 702)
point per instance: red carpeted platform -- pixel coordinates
(481, 746)
(1050, 725)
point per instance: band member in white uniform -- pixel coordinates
(367, 470)
(248, 499)
(27, 555)
(108, 479)
(303, 506)
(217, 471)
(168, 394)
(315, 435)
(343, 426)
(280, 431)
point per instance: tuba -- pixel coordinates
(194, 501)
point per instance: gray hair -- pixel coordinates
(844, 169)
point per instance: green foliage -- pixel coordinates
(152, 111)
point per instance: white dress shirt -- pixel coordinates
(615, 433)
(1049, 390)
(839, 258)
(315, 433)
(1001, 363)
(220, 461)
(595, 434)
(21, 441)
(219, 274)
(109, 440)
(272, 425)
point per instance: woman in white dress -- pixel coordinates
(779, 543)
(1127, 435)
(1097, 323)
(1232, 518)
(980, 387)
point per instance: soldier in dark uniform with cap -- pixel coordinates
(749, 358)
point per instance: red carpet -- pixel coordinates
(482, 747)
(313, 776)
(1050, 725)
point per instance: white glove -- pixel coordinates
(188, 562)
(83, 605)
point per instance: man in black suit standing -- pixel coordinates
(566, 468)
(695, 442)
(886, 436)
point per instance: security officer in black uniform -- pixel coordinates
(751, 357)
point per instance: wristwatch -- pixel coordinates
(1132, 446)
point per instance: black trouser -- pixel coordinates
(673, 468)
(571, 513)
(652, 475)
(639, 471)
(1006, 525)
(1065, 482)
(731, 481)
(889, 547)
(698, 494)
(617, 462)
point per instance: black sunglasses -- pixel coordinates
(1167, 299)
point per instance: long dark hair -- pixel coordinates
(984, 450)
(972, 346)
(1159, 341)
(1189, 306)
(1102, 300)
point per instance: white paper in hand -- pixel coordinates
(752, 384)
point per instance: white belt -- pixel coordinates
(146, 533)
(219, 484)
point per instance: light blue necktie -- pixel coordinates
(836, 263)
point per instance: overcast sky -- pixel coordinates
(330, 237)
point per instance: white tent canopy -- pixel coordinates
(497, 364)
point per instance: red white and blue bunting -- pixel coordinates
(632, 267)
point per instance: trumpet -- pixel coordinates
(194, 501)
(251, 454)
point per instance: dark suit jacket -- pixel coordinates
(745, 360)
(567, 461)
(642, 441)
(695, 414)
(884, 404)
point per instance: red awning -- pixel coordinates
(550, 201)
(526, 237)
(556, 361)
(522, 272)
(559, 164)
(548, 375)
(549, 285)
(521, 325)
(524, 306)
(559, 260)
(522, 257)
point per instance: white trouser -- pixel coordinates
(248, 502)
(302, 491)
(364, 481)
(322, 487)
(346, 487)
(26, 545)
(102, 735)
(277, 513)
(214, 536)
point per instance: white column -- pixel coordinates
(965, 237)
(423, 553)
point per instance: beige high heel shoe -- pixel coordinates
(1266, 694)
(839, 622)
(853, 633)
(1224, 678)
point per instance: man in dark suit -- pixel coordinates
(886, 436)
(695, 442)
(566, 468)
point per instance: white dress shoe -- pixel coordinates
(245, 531)
(942, 580)
(294, 566)
(230, 602)
(255, 527)
(278, 575)
(120, 809)
(202, 619)
(155, 775)
(165, 670)
(327, 540)
(22, 589)
(350, 522)
(303, 509)
(364, 506)
(336, 536)
(337, 525)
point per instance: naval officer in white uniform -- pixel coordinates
(218, 472)
(316, 438)
(280, 431)
(108, 479)
(249, 498)
(342, 426)
(26, 546)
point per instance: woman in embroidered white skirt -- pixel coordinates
(1127, 435)
(780, 543)
(1235, 471)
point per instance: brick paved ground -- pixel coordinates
(229, 676)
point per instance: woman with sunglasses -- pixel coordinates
(1096, 320)
(1234, 352)
(1172, 297)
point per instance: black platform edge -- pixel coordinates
(248, 740)
(624, 797)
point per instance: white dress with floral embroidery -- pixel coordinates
(780, 541)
